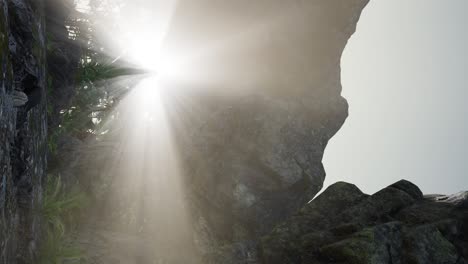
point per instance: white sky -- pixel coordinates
(405, 75)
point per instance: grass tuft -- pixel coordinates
(58, 206)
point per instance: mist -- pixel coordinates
(404, 74)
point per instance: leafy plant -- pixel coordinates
(92, 71)
(56, 249)
(92, 100)
(58, 204)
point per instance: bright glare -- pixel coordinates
(146, 198)
(146, 194)
(143, 29)
(170, 68)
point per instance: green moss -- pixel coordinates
(3, 38)
(57, 202)
(57, 249)
(50, 43)
(357, 249)
(52, 143)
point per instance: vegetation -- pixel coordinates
(58, 208)
(91, 100)
(57, 249)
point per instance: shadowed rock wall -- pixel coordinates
(256, 112)
(23, 127)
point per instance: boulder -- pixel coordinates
(394, 225)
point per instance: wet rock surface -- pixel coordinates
(23, 127)
(395, 225)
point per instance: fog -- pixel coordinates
(404, 74)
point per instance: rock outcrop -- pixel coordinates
(23, 127)
(395, 225)
(256, 107)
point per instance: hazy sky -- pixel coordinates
(405, 75)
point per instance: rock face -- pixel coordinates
(395, 225)
(260, 103)
(23, 127)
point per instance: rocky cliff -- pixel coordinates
(23, 127)
(395, 225)
(257, 115)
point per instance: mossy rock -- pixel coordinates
(354, 250)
